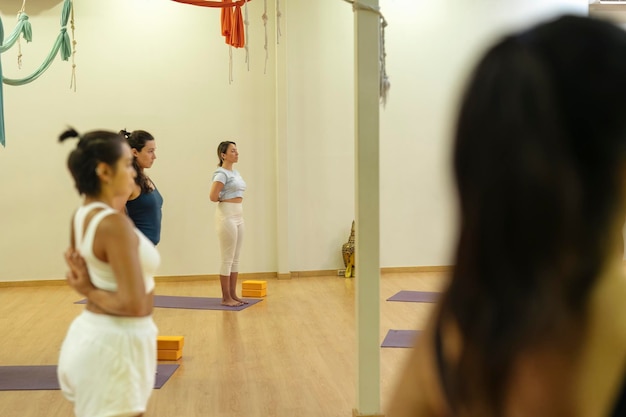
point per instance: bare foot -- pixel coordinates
(240, 300)
(232, 303)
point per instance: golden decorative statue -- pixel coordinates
(347, 250)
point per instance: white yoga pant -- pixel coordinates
(230, 228)
(107, 365)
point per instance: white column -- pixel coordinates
(367, 209)
(282, 157)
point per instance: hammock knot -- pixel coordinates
(66, 45)
(27, 29)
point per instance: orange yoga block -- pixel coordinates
(253, 293)
(169, 355)
(254, 285)
(170, 342)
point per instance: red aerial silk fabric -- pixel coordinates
(237, 35)
(227, 20)
(207, 3)
(232, 20)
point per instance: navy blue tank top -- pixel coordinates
(145, 212)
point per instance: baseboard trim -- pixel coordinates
(208, 277)
(356, 413)
(242, 276)
(318, 273)
(398, 269)
(35, 283)
(186, 278)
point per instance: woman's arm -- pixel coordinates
(78, 275)
(115, 242)
(216, 189)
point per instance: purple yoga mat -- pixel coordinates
(194, 303)
(416, 296)
(27, 378)
(400, 338)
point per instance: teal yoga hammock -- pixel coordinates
(23, 28)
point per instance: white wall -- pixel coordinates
(320, 131)
(141, 64)
(431, 46)
(162, 66)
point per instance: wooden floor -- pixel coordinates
(292, 355)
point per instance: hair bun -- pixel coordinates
(125, 133)
(69, 133)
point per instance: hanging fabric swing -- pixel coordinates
(23, 28)
(231, 18)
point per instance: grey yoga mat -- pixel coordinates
(194, 303)
(44, 377)
(416, 296)
(400, 338)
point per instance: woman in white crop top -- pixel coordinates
(115, 336)
(227, 190)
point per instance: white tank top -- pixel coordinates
(101, 273)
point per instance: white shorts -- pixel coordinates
(107, 365)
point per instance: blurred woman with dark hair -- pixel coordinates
(533, 321)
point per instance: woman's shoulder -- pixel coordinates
(220, 174)
(221, 170)
(418, 390)
(114, 223)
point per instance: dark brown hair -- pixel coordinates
(539, 154)
(92, 148)
(137, 140)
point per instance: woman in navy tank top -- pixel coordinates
(145, 202)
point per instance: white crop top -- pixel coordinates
(101, 273)
(234, 185)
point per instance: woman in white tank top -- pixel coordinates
(115, 336)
